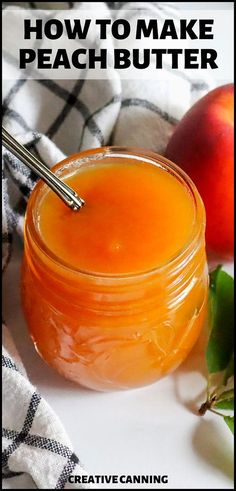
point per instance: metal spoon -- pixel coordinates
(66, 193)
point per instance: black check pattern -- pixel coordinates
(24, 437)
(69, 116)
(8, 363)
(33, 405)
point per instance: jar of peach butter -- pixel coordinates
(115, 294)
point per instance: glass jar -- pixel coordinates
(108, 331)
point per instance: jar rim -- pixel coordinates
(143, 155)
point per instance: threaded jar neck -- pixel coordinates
(116, 291)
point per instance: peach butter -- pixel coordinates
(115, 294)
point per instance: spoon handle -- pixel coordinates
(66, 193)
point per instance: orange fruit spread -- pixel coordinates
(108, 303)
(136, 217)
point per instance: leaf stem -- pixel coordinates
(206, 406)
(216, 412)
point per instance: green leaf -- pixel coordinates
(221, 305)
(230, 422)
(225, 400)
(227, 404)
(213, 277)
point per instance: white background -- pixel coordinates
(154, 430)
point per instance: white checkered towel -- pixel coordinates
(54, 119)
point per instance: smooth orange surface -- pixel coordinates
(116, 332)
(207, 156)
(136, 217)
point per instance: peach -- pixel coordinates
(202, 145)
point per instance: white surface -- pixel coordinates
(154, 430)
(205, 5)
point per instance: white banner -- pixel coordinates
(72, 44)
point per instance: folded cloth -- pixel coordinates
(55, 118)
